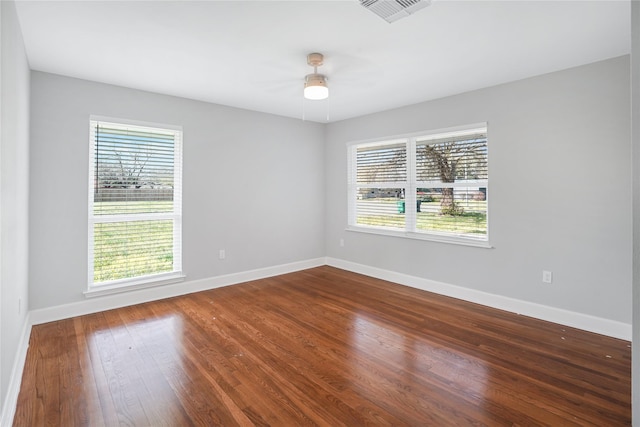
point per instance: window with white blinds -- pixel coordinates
(135, 204)
(433, 186)
(381, 176)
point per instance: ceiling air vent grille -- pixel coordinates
(392, 10)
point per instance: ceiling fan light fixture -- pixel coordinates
(315, 87)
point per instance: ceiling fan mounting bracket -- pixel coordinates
(315, 59)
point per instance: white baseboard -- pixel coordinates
(586, 322)
(573, 319)
(109, 302)
(11, 397)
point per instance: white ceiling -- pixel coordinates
(252, 54)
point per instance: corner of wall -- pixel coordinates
(11, 395)
(635, 160)
(15, 97)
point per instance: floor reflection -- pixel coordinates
(421, 361)
(138, 362)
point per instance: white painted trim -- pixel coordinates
(425, 135)
(11, 397)
(573, 319)
(109, 302)
(134, 123)
(431, 236)
(128, 285)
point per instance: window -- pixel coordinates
(442, 176)
(135, 204)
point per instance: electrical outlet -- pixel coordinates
(222, 254)
(341, 242)
(547, 276)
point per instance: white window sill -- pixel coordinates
(464, 241)
(120, 286)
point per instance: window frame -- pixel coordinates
(411, 185)
(149, 280)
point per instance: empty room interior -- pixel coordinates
(352, 212)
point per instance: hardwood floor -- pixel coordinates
(320, 347)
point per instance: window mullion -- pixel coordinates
(410, 191)
(352, 174)
(159, 216)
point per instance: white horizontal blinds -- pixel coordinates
(452, 183)
(136, 209)
(133, 168)
(381, 164)
(381, 181)
(449, 160)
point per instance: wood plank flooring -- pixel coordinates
(320, 347)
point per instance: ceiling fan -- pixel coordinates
(315, 85)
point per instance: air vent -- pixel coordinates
(392, 10)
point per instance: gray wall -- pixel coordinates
(635, 142)
(560, 191)
(253, 183)
(14, 182)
